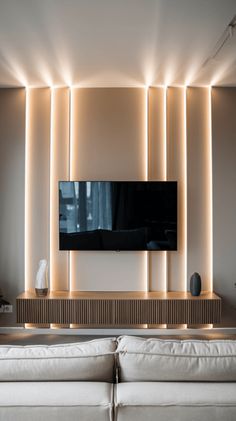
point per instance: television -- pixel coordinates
(118, 215)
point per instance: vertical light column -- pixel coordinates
(72, 177)
(210, 188)
(165, 266)
(176, 171)
(59, 170)
(185, 195)
(37, 184)
(185, 208)
(146, 253)
(157, 171)
(28, 222)
(147, 154)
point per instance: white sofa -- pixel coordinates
(156, 380)
(166, 380)
(58, 382)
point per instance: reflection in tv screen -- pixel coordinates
(118, 215)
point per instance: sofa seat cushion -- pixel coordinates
(56, 401)
(177, 401)
(83, 361)
(175, 360)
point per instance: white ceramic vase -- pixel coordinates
(41, 282)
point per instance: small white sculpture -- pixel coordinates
(41, 283)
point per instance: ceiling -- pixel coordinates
(115, 42)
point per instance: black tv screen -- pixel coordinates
(118, 215)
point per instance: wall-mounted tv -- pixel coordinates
(118, 215)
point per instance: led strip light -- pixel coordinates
(27, 187)
(51, 233)
(146, 254)
(70, 175)
(185, 190)
(165, 172)
(185, 326)
(211, 190)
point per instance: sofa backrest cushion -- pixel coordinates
(85, 361)
(142, 359)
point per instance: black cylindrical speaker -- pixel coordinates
(195, 284)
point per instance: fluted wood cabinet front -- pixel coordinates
(119, 309)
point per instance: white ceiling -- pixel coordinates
(114, 42)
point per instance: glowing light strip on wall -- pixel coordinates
(147, 135)
(71, 139)
(147, 176)
(185, 189)
(165, 172)
(51, 195)
(210, 222)
(27, 188)
(165, 131)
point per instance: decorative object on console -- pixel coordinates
(195, 284)
(41, 283)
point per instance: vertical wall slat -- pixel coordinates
(199, 235)
(37, 181)
(176, 170)
(157, 171)
(59, 170)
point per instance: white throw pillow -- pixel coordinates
(175, 360)
(85, 361)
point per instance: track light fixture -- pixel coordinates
(227, 35)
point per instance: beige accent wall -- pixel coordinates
(102, 134)
(12, 180)
(224, 192)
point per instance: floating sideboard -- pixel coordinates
(118, 308)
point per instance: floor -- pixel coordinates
(49, 339)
